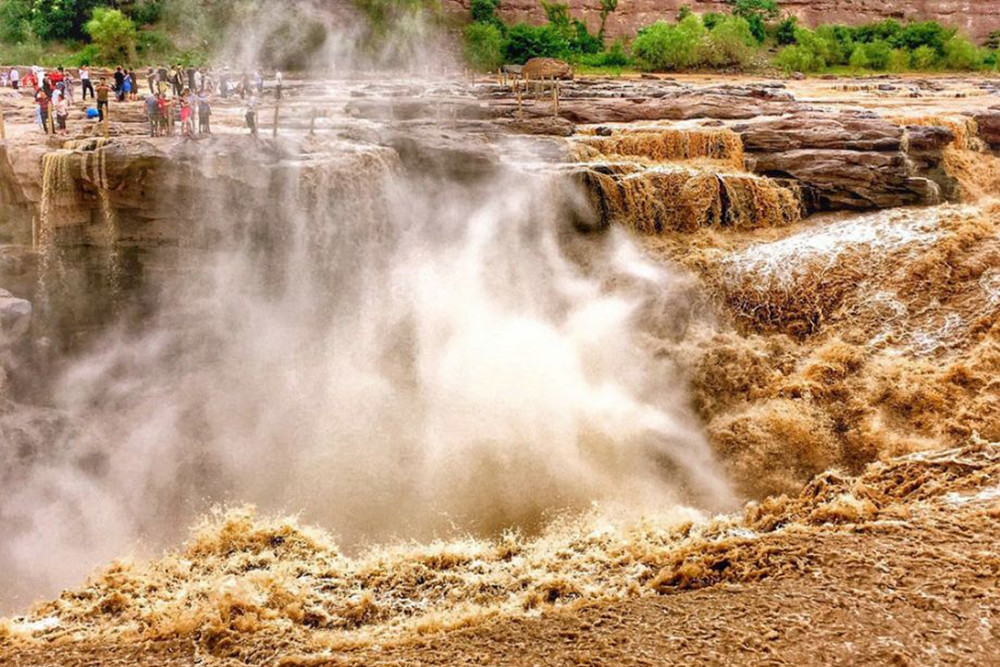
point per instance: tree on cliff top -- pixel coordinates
(607, 7)
(756, 13)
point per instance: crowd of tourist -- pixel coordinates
(175, 95)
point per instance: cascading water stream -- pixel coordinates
(662, 179)
(392, 354)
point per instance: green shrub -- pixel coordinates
(924, 33)
(961, 54)
(785, 34)
(88, 55)
(839, 43)
(662, 46)
(484, 11)
(729, 44)
(15, 21)
(877, 53)
(581, 41)
(525, 42)
(483, 47)
(822, 45)
(61, 19)
(143, 12)
(710, 19)
(31, 50)
(859, 59)
(799, 58)
(756, 13)
(113, 34)
(883, 31)
(899, 60)
(615, 56)
(924, 58)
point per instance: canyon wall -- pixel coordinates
(976, 18)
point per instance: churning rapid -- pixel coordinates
(390, 355)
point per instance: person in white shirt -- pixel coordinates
(85, 82)
(15, 78)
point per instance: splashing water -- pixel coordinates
(390, 356)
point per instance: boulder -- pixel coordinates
(546, 68)
(989, 126)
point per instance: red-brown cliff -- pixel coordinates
(976, 18)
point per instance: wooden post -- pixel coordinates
(517, 87)
(107, 120)
(277, 109)
(555, 97)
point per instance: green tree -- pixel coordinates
(15, 21)
(607, 8)
(785, 33)
(662, 46)
(483, 46)
(729, 44)
(525, 42)
(961, 54)
(485, 11)
(113, 33)
(756, 13)
(878, 54)
(60, 19)
(923, 58)
(799, 58)
(858, 59)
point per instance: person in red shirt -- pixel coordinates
(43, 101)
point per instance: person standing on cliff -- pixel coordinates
(68, 88)
(161, 114)
(251, 115)
(204, 112)
(103, 95)
(153, 114)
(42, 100)
(85, 82)
(15, 78)
(61, 113)
(120, 84)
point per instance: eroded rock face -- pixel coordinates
(15, 318)
(977, 18)
(851, 161)
(722, 103)
(814, 131)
